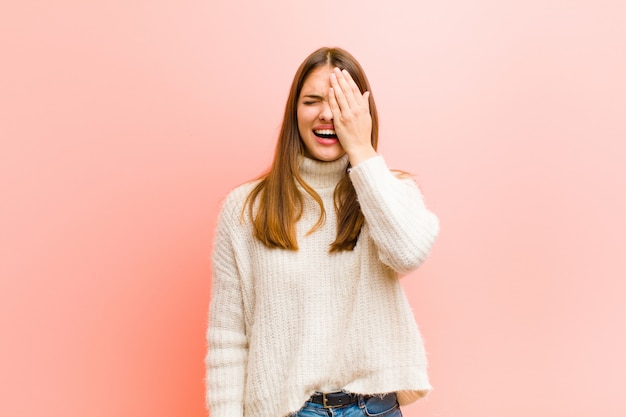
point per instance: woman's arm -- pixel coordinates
(226, 336)
(398, 221)
(394, 210)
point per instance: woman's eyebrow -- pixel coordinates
(315, 96)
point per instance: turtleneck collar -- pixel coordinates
(319, 174)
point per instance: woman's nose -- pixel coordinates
(326, 114)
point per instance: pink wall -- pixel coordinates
(123, 123)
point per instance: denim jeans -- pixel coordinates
(386, 406)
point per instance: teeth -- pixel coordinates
(325, 132)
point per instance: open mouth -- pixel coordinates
(325, 133)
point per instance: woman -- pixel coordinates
(307, 316)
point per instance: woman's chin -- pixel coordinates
(328, 154)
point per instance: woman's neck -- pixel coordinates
(320, 174)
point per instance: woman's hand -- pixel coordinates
(351, 116)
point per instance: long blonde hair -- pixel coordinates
(280, 202)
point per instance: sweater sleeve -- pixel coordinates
(226, 336)
(399, 223)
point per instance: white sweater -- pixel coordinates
(284, 324)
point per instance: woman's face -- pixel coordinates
(315, 120)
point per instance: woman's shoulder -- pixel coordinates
(240, 193)
(235, 200)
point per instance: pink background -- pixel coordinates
(124, 123)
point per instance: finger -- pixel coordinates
(346, 88)
(339, 94)
(356, 91)
(334, 105)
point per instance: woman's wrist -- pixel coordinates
(359, 155)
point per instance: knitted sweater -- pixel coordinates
(284, 324)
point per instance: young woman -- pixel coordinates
(307, 315)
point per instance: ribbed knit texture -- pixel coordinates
(284, 324)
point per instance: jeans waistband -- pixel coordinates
(335, 399)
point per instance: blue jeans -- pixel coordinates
(387, 406)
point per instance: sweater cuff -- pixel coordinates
(371, 171)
